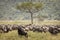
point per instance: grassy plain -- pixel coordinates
(13, 35)
(24, 22)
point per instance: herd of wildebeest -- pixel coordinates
(23, 29)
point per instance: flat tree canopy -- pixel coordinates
(30, 7)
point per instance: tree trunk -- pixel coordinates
(31, 18)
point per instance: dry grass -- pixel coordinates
(13, 35)
(23, 22)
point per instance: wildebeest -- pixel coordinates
(28, 27)
(23, 29)
(37, 28)
(15, 26)
(53, 30)
(4, 28)
(45, 28)
(22, 32)
(10, 27)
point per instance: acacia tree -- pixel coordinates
(30, 7)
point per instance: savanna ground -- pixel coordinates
(13, 35)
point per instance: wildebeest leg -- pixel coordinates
(26, 35)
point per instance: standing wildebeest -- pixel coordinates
(22, 32)
(1, 29)
(45, 28)
(15, 26)
(37, 28)
(28, 27)
(5, 29)
(53, 30)
(10, 27)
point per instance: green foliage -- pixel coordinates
(29, 6)
(38, 5)
(23, 5)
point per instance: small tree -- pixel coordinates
(30, 7)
